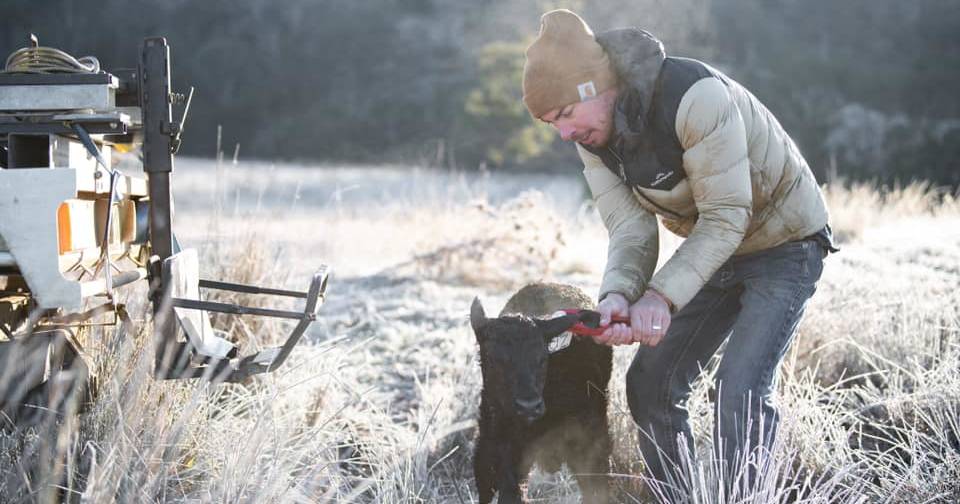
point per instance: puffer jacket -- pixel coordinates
(740, 184)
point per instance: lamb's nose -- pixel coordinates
(531, 409)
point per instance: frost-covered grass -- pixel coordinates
(379, 405)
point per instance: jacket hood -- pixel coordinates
(636, 57)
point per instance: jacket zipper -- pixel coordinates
(623, 173)
(636, 191)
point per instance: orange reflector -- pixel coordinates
(63, 228)
(76, 226)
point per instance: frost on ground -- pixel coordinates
(379, 405)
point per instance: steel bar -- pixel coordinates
(237, 309)
(157, 159)
(250, 289)
(318, 287)
(77, 318)
(94, 128)
(154, 92)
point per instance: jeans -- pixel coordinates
(754, 302)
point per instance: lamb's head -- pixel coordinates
(513, 358)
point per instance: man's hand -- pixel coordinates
(614, 304)
(649, 319)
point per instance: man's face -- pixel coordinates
(588, 122)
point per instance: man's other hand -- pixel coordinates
(649, 318)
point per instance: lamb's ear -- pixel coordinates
(555, 326)
(478, 318)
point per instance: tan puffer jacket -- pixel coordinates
(748, 188)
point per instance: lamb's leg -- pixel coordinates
(508, 476)
(510, 493)
(594, 483)
(592, 469)
(484, 469)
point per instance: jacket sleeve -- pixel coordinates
(712, 134)
(633, 235)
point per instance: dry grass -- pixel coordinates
(858, 206)
(379, 407)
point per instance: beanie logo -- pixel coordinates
(586, 90)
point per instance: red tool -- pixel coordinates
(589, 324)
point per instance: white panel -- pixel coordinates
(29, 199)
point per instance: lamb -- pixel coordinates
(536, 406)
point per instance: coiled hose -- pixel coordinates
(47, 60)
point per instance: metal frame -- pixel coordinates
(238, 369)
(148, 92)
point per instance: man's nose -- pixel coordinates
(566, 131)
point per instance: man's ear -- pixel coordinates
(554, 327)
(478, 319)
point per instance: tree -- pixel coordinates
(498, 126)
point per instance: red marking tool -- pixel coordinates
(589, 324)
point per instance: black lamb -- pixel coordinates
(537, 406)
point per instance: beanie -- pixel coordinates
(565, 64)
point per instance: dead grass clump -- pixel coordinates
(248, 260)
(857, 206)
(908, 442)
(506, 246)
(879, 311)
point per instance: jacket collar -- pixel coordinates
(636, 57)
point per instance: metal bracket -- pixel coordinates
(187, 360)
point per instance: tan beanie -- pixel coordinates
(565, 64)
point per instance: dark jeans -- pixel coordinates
(756, 300)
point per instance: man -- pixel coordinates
(675, 138)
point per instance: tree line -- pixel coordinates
(867, 88)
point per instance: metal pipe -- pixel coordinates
(98, 286)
